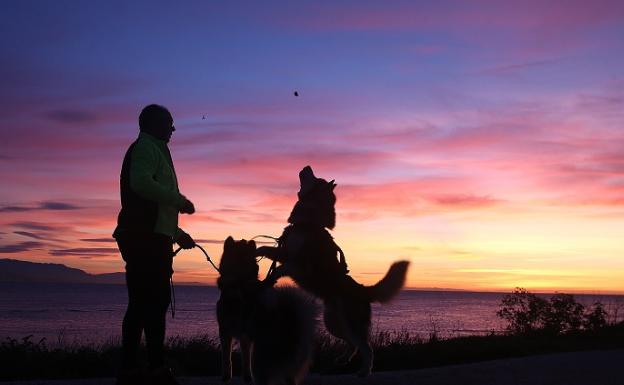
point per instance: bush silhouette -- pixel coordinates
(523, 310)
(528, 313)
(596, 318)
(563, 314)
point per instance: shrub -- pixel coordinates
(563, 314)
(527, 313)
(596, 318)
(523, 310)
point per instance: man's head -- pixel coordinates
(157, 121)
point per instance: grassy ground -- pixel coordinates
(199, 356)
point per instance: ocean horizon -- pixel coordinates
(92, 313)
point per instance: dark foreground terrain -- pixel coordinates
(576, 368)
(22, 360)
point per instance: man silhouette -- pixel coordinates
(147, 227)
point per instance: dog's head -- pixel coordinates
(238, 262)
(317, 201)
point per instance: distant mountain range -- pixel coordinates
(12, 270)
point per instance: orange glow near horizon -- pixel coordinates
(491, 248)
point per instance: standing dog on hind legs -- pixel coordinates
(308, 254)
(275, 326)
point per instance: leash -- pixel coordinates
(203, 251)
(274, 263)
(173, 298)
(265, 236)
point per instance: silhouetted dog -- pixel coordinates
(275, 326)
(308, 254)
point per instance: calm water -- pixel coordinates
(93, 313)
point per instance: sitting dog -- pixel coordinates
(275, 326)
(308, 254)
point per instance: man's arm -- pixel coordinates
(142, 169)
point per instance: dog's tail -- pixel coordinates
(390, 285)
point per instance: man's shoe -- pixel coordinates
(163, 376)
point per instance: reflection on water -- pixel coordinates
(93, 313)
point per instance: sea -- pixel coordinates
(92, 314)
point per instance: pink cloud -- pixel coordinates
(406, 198)
(511, 68)
(463, 200)
(495, 34)
(413, 198)
(451, 14)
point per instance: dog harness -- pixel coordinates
(295, 236)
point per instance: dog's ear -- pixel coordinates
(252, 244)
(332, 184)
(229, 242)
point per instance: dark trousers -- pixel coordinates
(148, 260)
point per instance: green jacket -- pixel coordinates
(150, 199)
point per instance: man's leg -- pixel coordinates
(131, 329)
(132, 326)
(155, 324)
(159, 300)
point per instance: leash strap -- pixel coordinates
(208, 258)
(274, 263)
(343, 260)
(203, 251)
(265, 236)
(273, 266)
(172, 294)
(173, 298)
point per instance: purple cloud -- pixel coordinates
(15, 209)
(99, 240)
(46, 205)
(21, 247)
(34, 226)
(30, 235)
(50, 205)
(80, 251)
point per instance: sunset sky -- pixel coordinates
(481, 140)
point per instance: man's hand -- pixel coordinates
(185, 241)
(187, 207)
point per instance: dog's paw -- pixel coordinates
(226, 377)
(247, 378)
